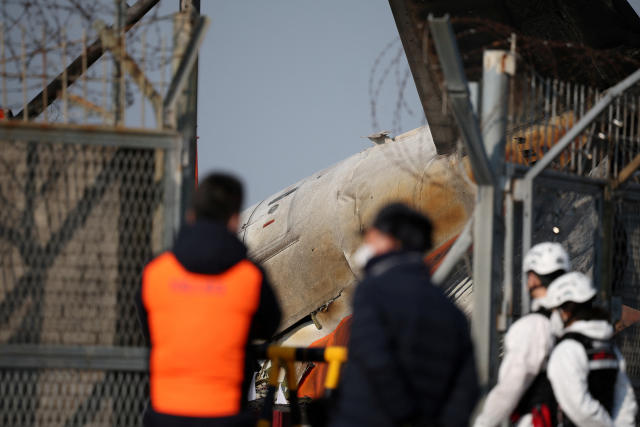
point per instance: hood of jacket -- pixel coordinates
(207, 247)
(596, 329)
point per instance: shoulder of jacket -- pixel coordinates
(569, 350)
(529, 323)
(367, 286)
(159, 260)
(528, 332)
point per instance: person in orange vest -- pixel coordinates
(201, 304)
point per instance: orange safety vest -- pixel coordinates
(199, 325)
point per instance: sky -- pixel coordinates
(284, 87)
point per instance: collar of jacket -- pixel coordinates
(595, 329)
(385, 262)
(208, 247)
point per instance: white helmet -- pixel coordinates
(545, 258)
(574, 287)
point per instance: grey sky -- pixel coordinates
(635, 4)
(284, 87)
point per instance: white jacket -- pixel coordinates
(568, 371)
(527, 345)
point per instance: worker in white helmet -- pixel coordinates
(586, 369)
(523, 394)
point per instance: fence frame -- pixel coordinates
(504, 188)
(83, 357)
(523, 188)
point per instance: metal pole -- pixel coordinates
(484, 156)
(458, 95)
(23, 71)
(117, 76)
(184, 66)
(488, 223)
(527, 233)
(187, 113)
(455, 254)
(3, 74)
(506, 312)
(172, 181)
(486, 279)
(498, 64)
(607, 241)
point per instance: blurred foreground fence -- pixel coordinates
(83, 210)
(96, 133)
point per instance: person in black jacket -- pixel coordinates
(201, 304)
(410, 354)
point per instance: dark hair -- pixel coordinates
(411, 228)
(546, 279)
(584, 311)
(218, 197)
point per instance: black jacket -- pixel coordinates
(410, 353)
(209, 248)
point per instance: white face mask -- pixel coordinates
(362, 255)
(557, 325)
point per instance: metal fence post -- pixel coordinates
(607, 241)
(187, 106)
(527, 234)
(497, 65)
(172, 183)
(488, 223)
(117, 88)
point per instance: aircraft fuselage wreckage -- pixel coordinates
(305, 235)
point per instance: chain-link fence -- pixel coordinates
(626, 277)
(71, 397)
(85, 204)
(570, 213)
(586, 196)
(83, 211)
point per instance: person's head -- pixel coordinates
(219, 199)
(543, 264)
(397, 227)
(573, 295)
